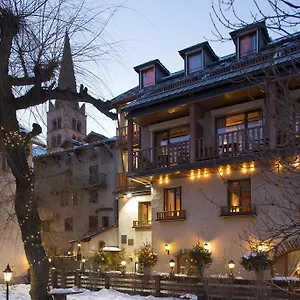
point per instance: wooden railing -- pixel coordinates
(127, 184)
(176, 286)
(122, 135)
(238, 142)
(238, 210)
(171, 215)
(163, 156)
(144, 223)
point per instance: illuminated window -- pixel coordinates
(145, 212)
(148, 77)
(247, 44)
(239, 195)
(194, 62)
(172, 199)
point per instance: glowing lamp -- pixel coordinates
(7, 274)
(167, 248)
(172, 263)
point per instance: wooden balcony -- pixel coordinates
(247, 210)
(122, 135)
(125, 184)
(230, 144)
(142, 224)
(172, 215)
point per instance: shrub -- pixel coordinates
(198, 257)
(146, 256)
(256, 261)
(101, 258)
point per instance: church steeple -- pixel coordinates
(65, 120)
(67, 75)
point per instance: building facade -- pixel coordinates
(208, 139)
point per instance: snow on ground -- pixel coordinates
(21, 292)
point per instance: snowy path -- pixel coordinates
(21, 292)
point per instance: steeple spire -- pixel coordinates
(67, 76)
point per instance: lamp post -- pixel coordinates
(83, 260)
(7, 277)
(167, 248)
(172, 265)
(231, 266)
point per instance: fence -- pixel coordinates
(175, 286)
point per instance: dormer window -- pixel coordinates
(194, 62)
(148, 77)
(248, 44)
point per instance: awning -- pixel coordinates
(111, 249)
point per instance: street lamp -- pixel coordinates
(7, 277)
(83, 260)
(167, 248)
(206, 247)
(231, 266)
(172, 265)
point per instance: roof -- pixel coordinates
(205, 45)
(155, 62)
(227, 68)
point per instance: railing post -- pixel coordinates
(78, 278)
(107, 281)
(193, 133)
(63, 279)
(130, 145)
(54, 279)
(157, 286)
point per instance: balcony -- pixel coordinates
(145, 224)
(125, 184)
(247, 210)
(172, 215)
(231, 144)
(122, 135)
(91, 181)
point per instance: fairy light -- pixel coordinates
(167, 179)
(244, 168)
(252, 167)
(220, 171)
(192, 175)
(228, 170)
(205, 173)
(199, 174)
(160, 180)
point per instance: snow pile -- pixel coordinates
(21, 292)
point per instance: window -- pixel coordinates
(78, 126)
(247, 44)
(124, 239)
(172, 201)
(68, 224)
(145, 212)
(69, 199)
(93, 196)
(93, 223)
(239, 195)
(148, 77)
(94, 174)
(58, 140)
(194, 62)
(172, 136)
(105, 221)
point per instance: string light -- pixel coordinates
(220, 171)
(205, 173)
(160, 180)
(199, 174)
(252, 167)
(244, 169)
(192, 175)
(228, 170)
(167, 179)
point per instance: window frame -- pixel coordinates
(239, 43)
(96, 193)
(142, 72)
(230, 192)
(165, 197)
(92, 218)
(140, 210)
(191, 54)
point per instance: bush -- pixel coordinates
(256, 261)
(101, 258)
(146, 256)
(198, 257)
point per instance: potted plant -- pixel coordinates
(101, 258)
(199, 258)
(259, 262)
(147, 258)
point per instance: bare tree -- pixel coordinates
(31, 37)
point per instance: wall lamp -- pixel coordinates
(167, 248)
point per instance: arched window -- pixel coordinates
(59, 122)
(78, 126)
(58, 140)
(54, 124)
(74, 125)
(53, 142)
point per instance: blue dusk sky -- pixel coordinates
(150, 29)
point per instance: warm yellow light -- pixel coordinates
(206, 246)
(129, 195)
(199, 174)
(79, 245)
(220, 171)
(167, 248)
(160, 180)
(123, 263)
(244, 169)
(7, 273)
(83, 260)
(205, 173)
(167, 179)
(252, 167)
(172, 263)
(228, 170)
(192, 175)
(260, 248)
(231, 264)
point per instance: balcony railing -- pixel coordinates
(122, 135)
(245, 210)
(235, 143)
(171, 215)
(144, 223)
(91, 180)
(127, 184)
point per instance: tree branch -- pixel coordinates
(38, 95)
